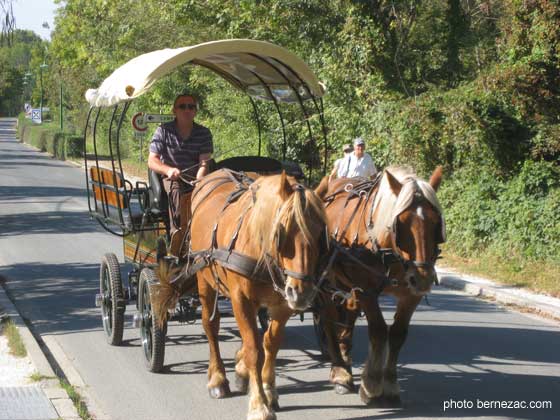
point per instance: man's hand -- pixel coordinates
(173, 174)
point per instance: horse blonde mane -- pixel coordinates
(388, 206)
(302, 210)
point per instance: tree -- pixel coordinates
(8, 22)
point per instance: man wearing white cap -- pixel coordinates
(357, 164)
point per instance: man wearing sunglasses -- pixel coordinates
(180, 151)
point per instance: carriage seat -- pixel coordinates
(260, 165)
(112, 202)
(157, 197)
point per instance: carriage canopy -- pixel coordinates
(258, 68)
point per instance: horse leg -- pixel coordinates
(272, 340)
(397, 336)
(241, 372)
(252, 353)
(218, 386)
(372, 375)
(345, 333)
(341, 326)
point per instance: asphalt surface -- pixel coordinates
(460, 351)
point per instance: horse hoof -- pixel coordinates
(265, 414)
(375, 402)
(275, 405)
(364, 397)
(217, 392)
(241, 383)
(343, 389)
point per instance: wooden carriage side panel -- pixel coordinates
(103, 186)
(150, 244)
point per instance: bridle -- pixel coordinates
(277, 272)
(366, 189)
(397, 253)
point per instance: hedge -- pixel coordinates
(48, 138)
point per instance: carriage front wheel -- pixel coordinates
(152, 336)
(111, 299)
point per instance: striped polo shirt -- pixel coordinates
(181, 153)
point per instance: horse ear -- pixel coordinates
(435, 179)
(284, 189)
(393, 183)
(323, 187)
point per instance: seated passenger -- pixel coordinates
(356, 164)
(180, 151)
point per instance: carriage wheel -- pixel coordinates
(152, 336)
(319, 328)
(112, 299)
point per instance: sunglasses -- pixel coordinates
(186, 106)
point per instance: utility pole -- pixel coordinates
(41, 67)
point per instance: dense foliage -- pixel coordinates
(16, 59)
(472, 85)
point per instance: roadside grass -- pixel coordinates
(537, 276)
(15, 343)
(77, 400)
(37, 377)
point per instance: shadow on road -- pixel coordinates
(54, 222)
(59, 298)
(9, 193)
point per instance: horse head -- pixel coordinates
(291, 233)
(414, 229)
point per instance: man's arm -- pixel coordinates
(332, 175)
(156, 165)
(203, 160)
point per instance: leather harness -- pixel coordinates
(228, 257)
(360, 191)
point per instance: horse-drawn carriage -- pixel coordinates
(138, 212)
(260, 240)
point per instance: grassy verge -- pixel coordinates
(537, 276)
(37, 377)
(77, 400)
(15, 343)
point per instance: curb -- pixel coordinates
(542, 305)
(58, 397)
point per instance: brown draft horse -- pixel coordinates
(278, 224)
(398, 221)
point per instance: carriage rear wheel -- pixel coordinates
(152, 336)
(112, 299)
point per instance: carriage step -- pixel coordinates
(98, 300)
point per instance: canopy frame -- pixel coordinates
(296, 87)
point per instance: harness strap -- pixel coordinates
(240, 263)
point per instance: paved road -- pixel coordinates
(460, 349)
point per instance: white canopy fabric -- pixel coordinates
(258, 68)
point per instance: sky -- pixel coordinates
(30, 14)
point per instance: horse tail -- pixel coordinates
(165, 293)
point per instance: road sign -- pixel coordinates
(36, 116)
(138, 123)
(158, 118)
